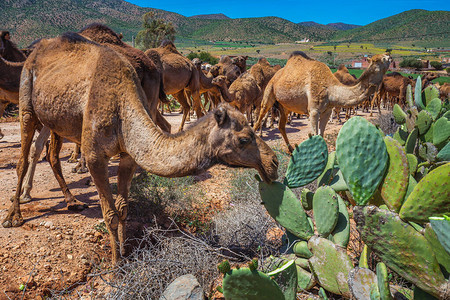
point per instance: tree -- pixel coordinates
(437, 65)
(154, 32)
(257, 51)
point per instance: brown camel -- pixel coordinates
(395, 85)
(307, 86)
(244, 93)
(210, 91)
(241, 62)
(227, 68)
(151, 81)
(91, 95)
(343, 75)
(179, 74)
(444, 91)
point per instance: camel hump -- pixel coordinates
(74, 38)
(300, 53)
(169, 46)
(101, 34)
(225, 59)
(342, 67)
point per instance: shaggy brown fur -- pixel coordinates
(226, 68)
(98, 102)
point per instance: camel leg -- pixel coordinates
(323, 120)
(55, 147)
(74, 156)
(36, 151)
(282, 127)
(3, 105)
(127, 167)
(28, 123)
(266, 104)
(97, 163)
(197, 104)
(181, 97)
(314, 119)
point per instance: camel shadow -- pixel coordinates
(11, 146)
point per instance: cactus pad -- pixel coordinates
(441, 226)
(434, 107)
(326, 210)
(418, 94)
(307, 198)
(305, 280)
(329, 171)
(286, 278)
(383, 282)
(424, 121)
(442, 256)
(430, 197)
(401, 136)
(331, 265)
(411, 141)
(307, 162)
(301, 249)
(428, 94)
(412, 163)
(399, 114)
(441, 132)
(395, 182)
(362, 157)
(428, 152)
(444, 154)
(362, 283)
(246, 284)
(285, 208)
(406, 252)
(341, 232)
(364, 258)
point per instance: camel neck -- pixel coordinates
(168, 155)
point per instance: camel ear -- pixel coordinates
(221, 115)
(369, 60)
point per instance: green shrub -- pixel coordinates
(411, 63)
(447, 70)
(437, 65)
(204, 57)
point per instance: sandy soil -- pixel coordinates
(56, 248)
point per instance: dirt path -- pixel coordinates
(59, 246)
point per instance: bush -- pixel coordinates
(204, 57)
(447, 70)
(411, 63)
(437, 65)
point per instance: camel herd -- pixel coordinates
(102, 94)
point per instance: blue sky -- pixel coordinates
(323, 11)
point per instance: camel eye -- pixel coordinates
(244, 141)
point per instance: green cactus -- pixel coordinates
(441, 226)
(401, 136)
(282, 205)
(362, 157)
(418, 94)
(363, 284)
(301, 249)
(224, 267)
(411, 185)
(428, 136)
(399, 114)
(429, 93)
(409, 98)
(364, 258)
(307, 198)
(286, 278)
(421, 295)
(434, 107)
(341, 233)
(383, 282)
(326, 210)
(442, 256)
(302, 262)
(322, 294)
(441, 132)
(338, 183)
(430, 197)
(307, 162)
(246, 284)
(411, 141)
(416, 262)
(412, 163)
(395, 182)
(330, 265)
(428, 152)
(412, 114)
(305, 279)
(444, 154)
(424, 121)
(329, 171)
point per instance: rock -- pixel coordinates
(185, 287)
(69, 256)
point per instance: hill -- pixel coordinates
(211, 17)
(342, 26)
(412, 25)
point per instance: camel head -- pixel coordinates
(241, 62)
(221, 82)
(378, 65)
(197, 63)
(235, 143)
(214, 70)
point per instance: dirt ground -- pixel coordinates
(56, 248)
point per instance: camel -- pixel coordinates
(241, 62)
(91, 95)
(151, 82)
(243, 93)
(444, 91)
(395, 85)
(343, 75)
(227, 68)
(309, 87)
(210, 91)
(179, 74)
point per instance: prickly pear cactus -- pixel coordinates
(338, 182)
(441, 132)
(329, 170)
(412, 163)
(285, 208)
(305, 279)
(362, 157)
(307, 163)
(331, 265)
(383, 282)
(364, 258)
(244, 283)
(395, 182)
(286, 278)
(429, 93)
(401, 136)
(424, 121)
(434, 107)
(408, 254)
(429, 198)
(301, 249)
(307, 198)
(444, 154)
(341, 232)
(441, 226)
(362, 283)
(399, 114)
(326, 210)
(411, 141)
(442, 256)
(418, 94)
